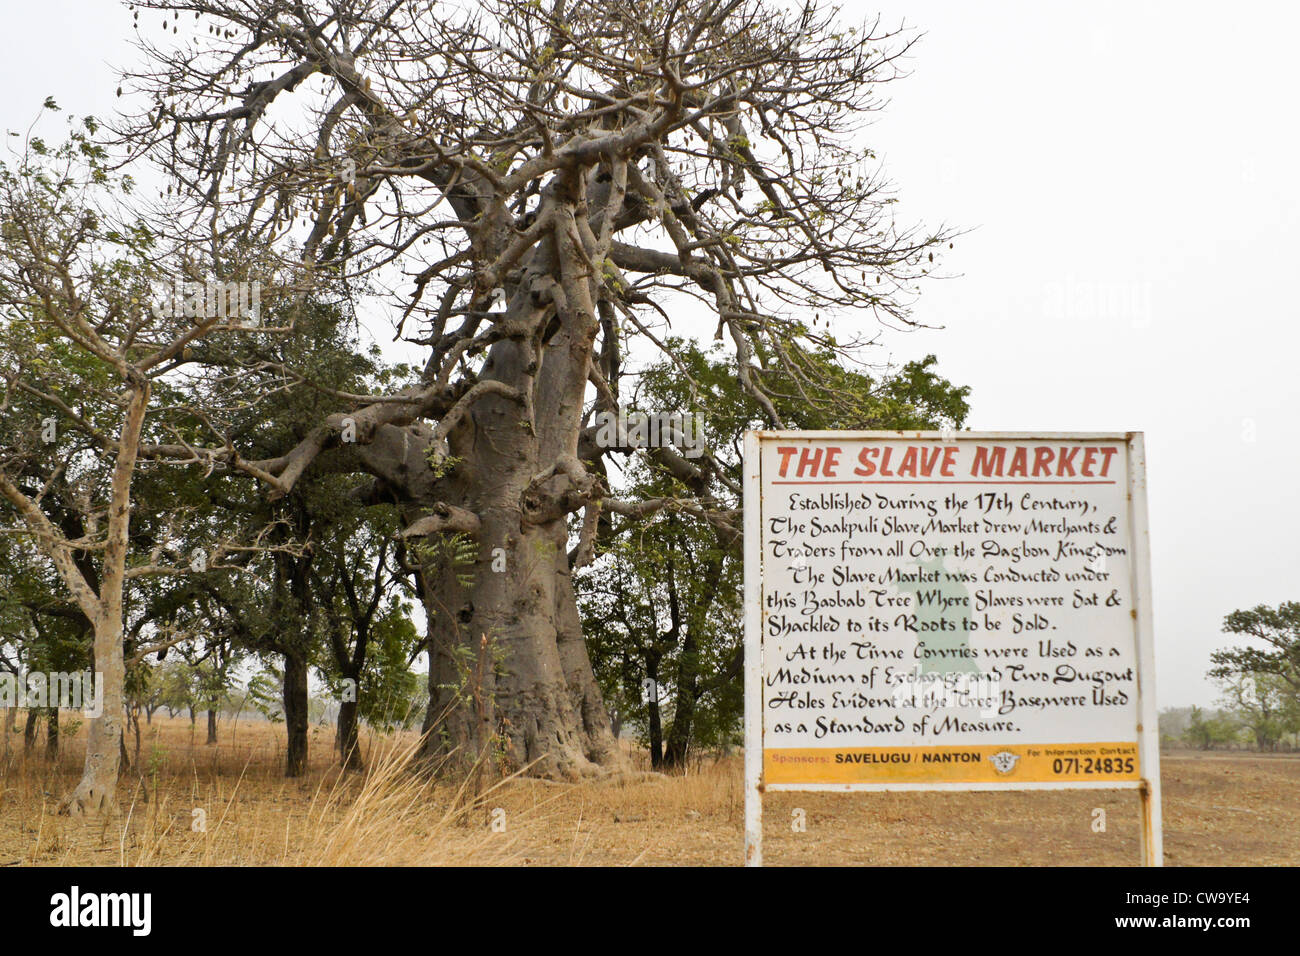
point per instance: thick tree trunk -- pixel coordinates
(295, 714)
(29, 729)
(509, 676)
(655, 720)
(509, 673)
(212, 726)
(679, 734)
(347, 738)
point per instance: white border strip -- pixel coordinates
(1148, 729)
(753, 653)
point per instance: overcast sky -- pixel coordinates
(1127, 171)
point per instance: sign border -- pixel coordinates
(1148, 735)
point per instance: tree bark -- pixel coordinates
(94, 794)
(679, 734)
(509, 673)
(52, 733)
(29, 729)
(295, 714)
(656, 720)
(212, 726)
(347, 738)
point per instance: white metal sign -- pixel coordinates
(960, 611)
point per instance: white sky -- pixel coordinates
(1128, 171)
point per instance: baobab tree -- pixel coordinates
(536, 190)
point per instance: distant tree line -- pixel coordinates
(1259, 684)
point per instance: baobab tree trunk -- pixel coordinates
(295, 714)
(524, 688)
(509, 672)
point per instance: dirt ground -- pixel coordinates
(196, 804)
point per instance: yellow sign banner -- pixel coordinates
(1013, 763)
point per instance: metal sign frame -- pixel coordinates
(1148, 737)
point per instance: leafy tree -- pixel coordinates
(1278, 629)
(662, 606)
(363, 582)
(1206, 731)
(87, 353)
(263, 692)
(276, 597)
(177, 687)
(1264, 705)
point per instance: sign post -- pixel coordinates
(948, 611)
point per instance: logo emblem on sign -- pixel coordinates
(1004, 761)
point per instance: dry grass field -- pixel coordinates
(1231, 809)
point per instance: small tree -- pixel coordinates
(85, 351)
(1207, 731)
(1277, 629)
(662, 606)
(1264, 705)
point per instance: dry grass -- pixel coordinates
(1219, 810)
(194, 805)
